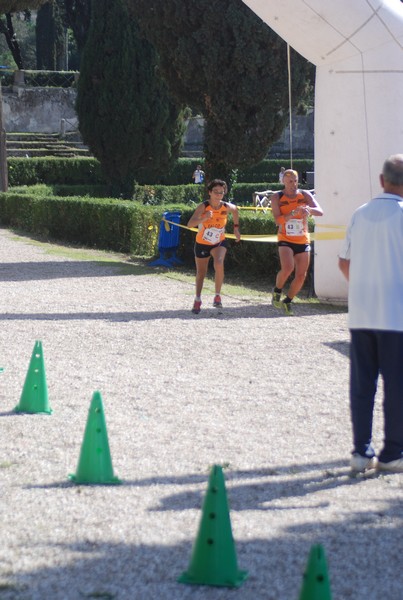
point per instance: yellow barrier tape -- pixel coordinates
(328, 235)
(330, 226)
(254, 207)
(270, 238)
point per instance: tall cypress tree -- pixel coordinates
(78, 16)
(50, 37)
(221, 59)
(125, 115)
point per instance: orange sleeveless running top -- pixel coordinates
(212, 231)
(295, 230)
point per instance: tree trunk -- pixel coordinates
(3, 151)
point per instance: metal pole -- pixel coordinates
(289, 98)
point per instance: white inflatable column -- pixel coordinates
(357, 48)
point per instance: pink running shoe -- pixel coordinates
(196, 307)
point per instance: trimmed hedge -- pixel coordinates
(155, 195)
(87, 171)
(132, 228)
(53, 170)
(111, 224)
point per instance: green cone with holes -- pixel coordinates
(34, 396)
(316, 584)
(214, 560)
(95, 463)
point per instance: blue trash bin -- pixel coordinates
(168, 241)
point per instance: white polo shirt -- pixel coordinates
(374, 246)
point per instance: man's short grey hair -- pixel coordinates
(393, 169)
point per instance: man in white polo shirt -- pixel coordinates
(372, 261)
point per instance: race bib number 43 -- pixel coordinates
(213, 235)
(294, 227)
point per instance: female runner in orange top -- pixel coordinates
(211, 218)
(291, 209)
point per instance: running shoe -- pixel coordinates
(393, 466)
(217, 301)
(359, 463)
(276, 299)
(286, 306)
(196, 307)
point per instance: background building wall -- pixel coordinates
(40, 110)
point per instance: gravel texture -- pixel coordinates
(262, 394)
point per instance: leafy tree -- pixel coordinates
(125, 115)
(220, 58)
(7, 7)
(7, 29)
(51, 37)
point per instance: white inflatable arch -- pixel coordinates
(357, 47)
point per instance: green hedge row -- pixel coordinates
(155, 195)
(52, 170)
(86, 171)
(119, 225)
(129, 227)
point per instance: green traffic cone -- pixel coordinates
(315, 585)
(34, 397)
(95, 464)
(214, 560)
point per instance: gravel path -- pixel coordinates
(270, 403)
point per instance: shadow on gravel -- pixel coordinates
(268, 485)
(342, 347)
(94, 568)
(270, 489)
(36, 271)
(244, 311)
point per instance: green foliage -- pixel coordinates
(83, 177)
(78, 17)
(42, 189)
(100, 223)
(12, 6)
(18, 32)
(161, 194)
(268, 169)
(221, 59)
(71, 171)
(63, 79)
(125, 115)
(130, 227)
(50, 37)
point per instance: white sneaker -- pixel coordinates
(359, 463)
(394, 466)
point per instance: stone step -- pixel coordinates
(62, 152)
(45, 144)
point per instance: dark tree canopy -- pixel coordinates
(51, 37)
(11, 6)
(125, 115)
(220, 58)
(78, 16)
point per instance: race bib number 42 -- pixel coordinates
(212, 235)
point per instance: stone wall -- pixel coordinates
(302, 138)
(40, 110)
